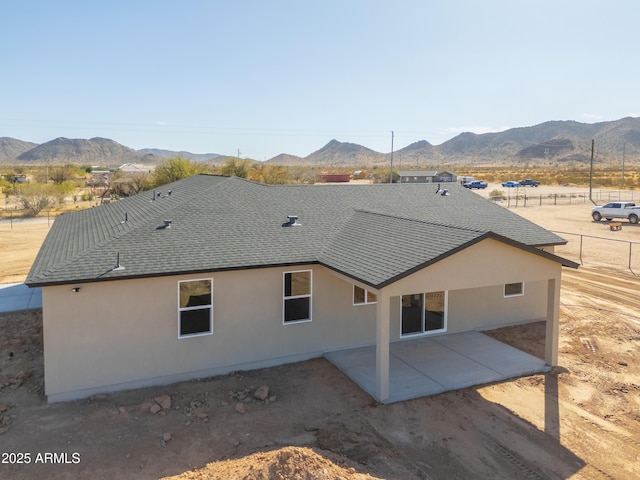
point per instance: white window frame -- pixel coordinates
(504, 290)
(366, 297)
(428, 332)
(198, 307)
(293, 297)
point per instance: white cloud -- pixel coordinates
(161, 123)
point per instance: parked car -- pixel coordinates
(527, 182)
(628, 210)
(475, 184)
(510, 184)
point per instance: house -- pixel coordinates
(426, 176)
(133, 168)
(213, 274)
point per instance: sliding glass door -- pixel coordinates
(423, 312)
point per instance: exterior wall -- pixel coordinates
(416, 179)
(489, 262)
(485, 308)
(474, 279)
(124, 334)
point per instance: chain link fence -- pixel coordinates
(600, 252)
(520, 197)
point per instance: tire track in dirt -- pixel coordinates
(607, 293)
(615, 438)
(601, 311)
(522, 468)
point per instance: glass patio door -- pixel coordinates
(423, 312)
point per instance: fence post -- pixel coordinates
(555, 199)
(540, 199)
(581, 250)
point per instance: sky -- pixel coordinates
(264, 77)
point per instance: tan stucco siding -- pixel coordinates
(488, 262)
(482, 308)
(113, 333)
(124, 334)
(474, 279)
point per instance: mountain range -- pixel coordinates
(552, 143)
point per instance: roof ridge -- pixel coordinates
(418, 220)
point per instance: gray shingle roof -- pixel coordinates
(224, 223)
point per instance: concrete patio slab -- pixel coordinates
(15, 297)
(430, 365)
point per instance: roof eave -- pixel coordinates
(489, 235)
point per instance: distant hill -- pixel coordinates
(95, 151)
(195, 157)
(11, 148)
(342, 153)
(286, 159)
(549, 143)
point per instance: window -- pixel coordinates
(363, 297)
(297, 296)
(423, 313)
(195, 307)
(513, 289)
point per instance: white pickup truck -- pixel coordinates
(627, 210)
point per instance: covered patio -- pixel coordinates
(430, 365)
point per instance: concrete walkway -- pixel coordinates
(431, 365)
(15, 297)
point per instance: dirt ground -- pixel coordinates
(582, 420)
(19, 244)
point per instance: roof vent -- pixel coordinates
(293, 221)
(118, 266)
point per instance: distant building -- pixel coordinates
(335, 177)
(136, 168)
(427, 176)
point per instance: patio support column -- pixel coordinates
(382, 347)
(553, 322)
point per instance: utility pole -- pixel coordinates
(624, 149)
(391, 172)
(591, 172)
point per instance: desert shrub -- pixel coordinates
(496, 195)
(36, 197)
